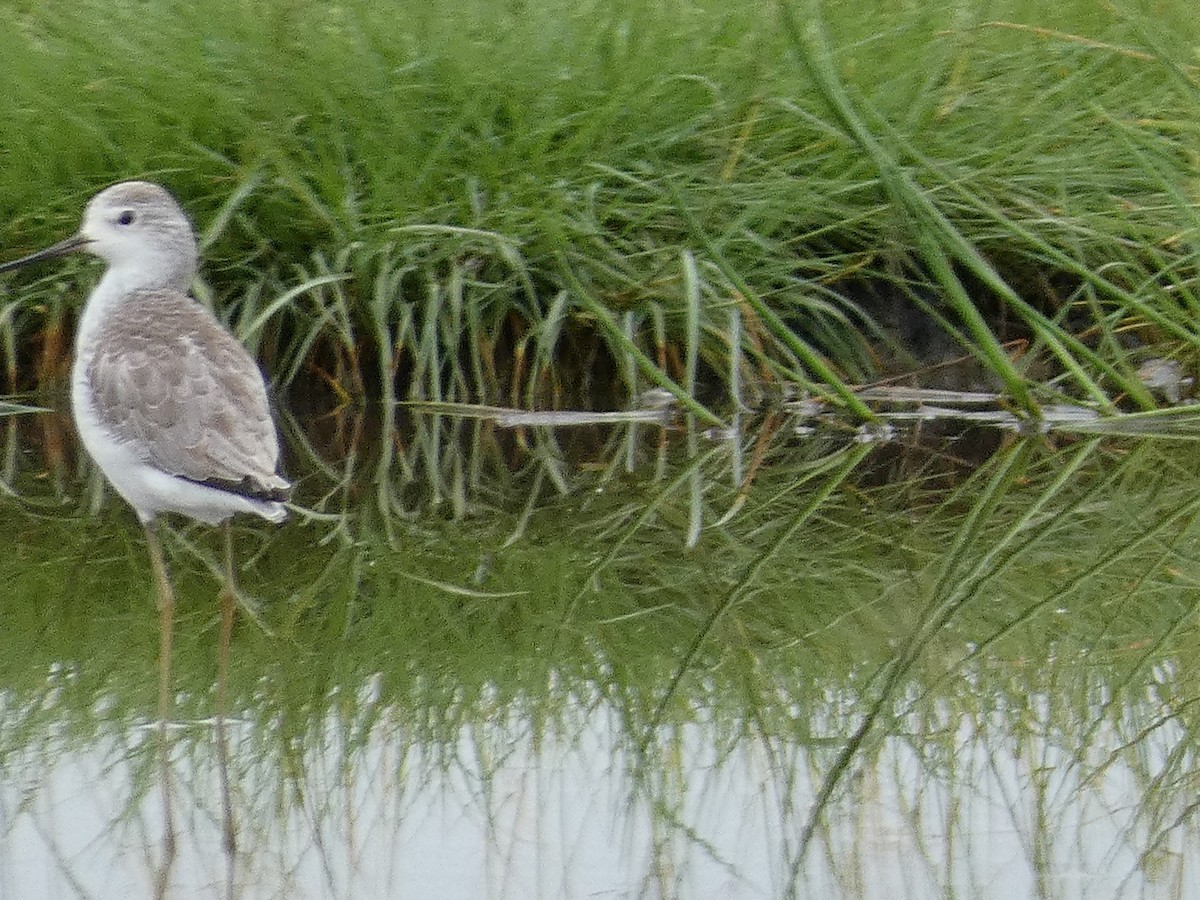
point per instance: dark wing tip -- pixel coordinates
(248, 486)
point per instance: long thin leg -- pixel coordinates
(165, 597)
(227, 608)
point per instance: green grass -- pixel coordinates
(560, 202)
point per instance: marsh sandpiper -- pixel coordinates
(170, 406)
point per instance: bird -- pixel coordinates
(169, 405)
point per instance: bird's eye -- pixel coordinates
(126, 217)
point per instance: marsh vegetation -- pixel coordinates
(782, 629)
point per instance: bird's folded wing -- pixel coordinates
(168, 380)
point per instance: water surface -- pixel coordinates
(621, 662)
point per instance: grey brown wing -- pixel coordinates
(170, 381)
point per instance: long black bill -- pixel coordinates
(62, 248)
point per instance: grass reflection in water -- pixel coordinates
(873, 679)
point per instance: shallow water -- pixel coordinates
(487, 664)
(502, 814)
